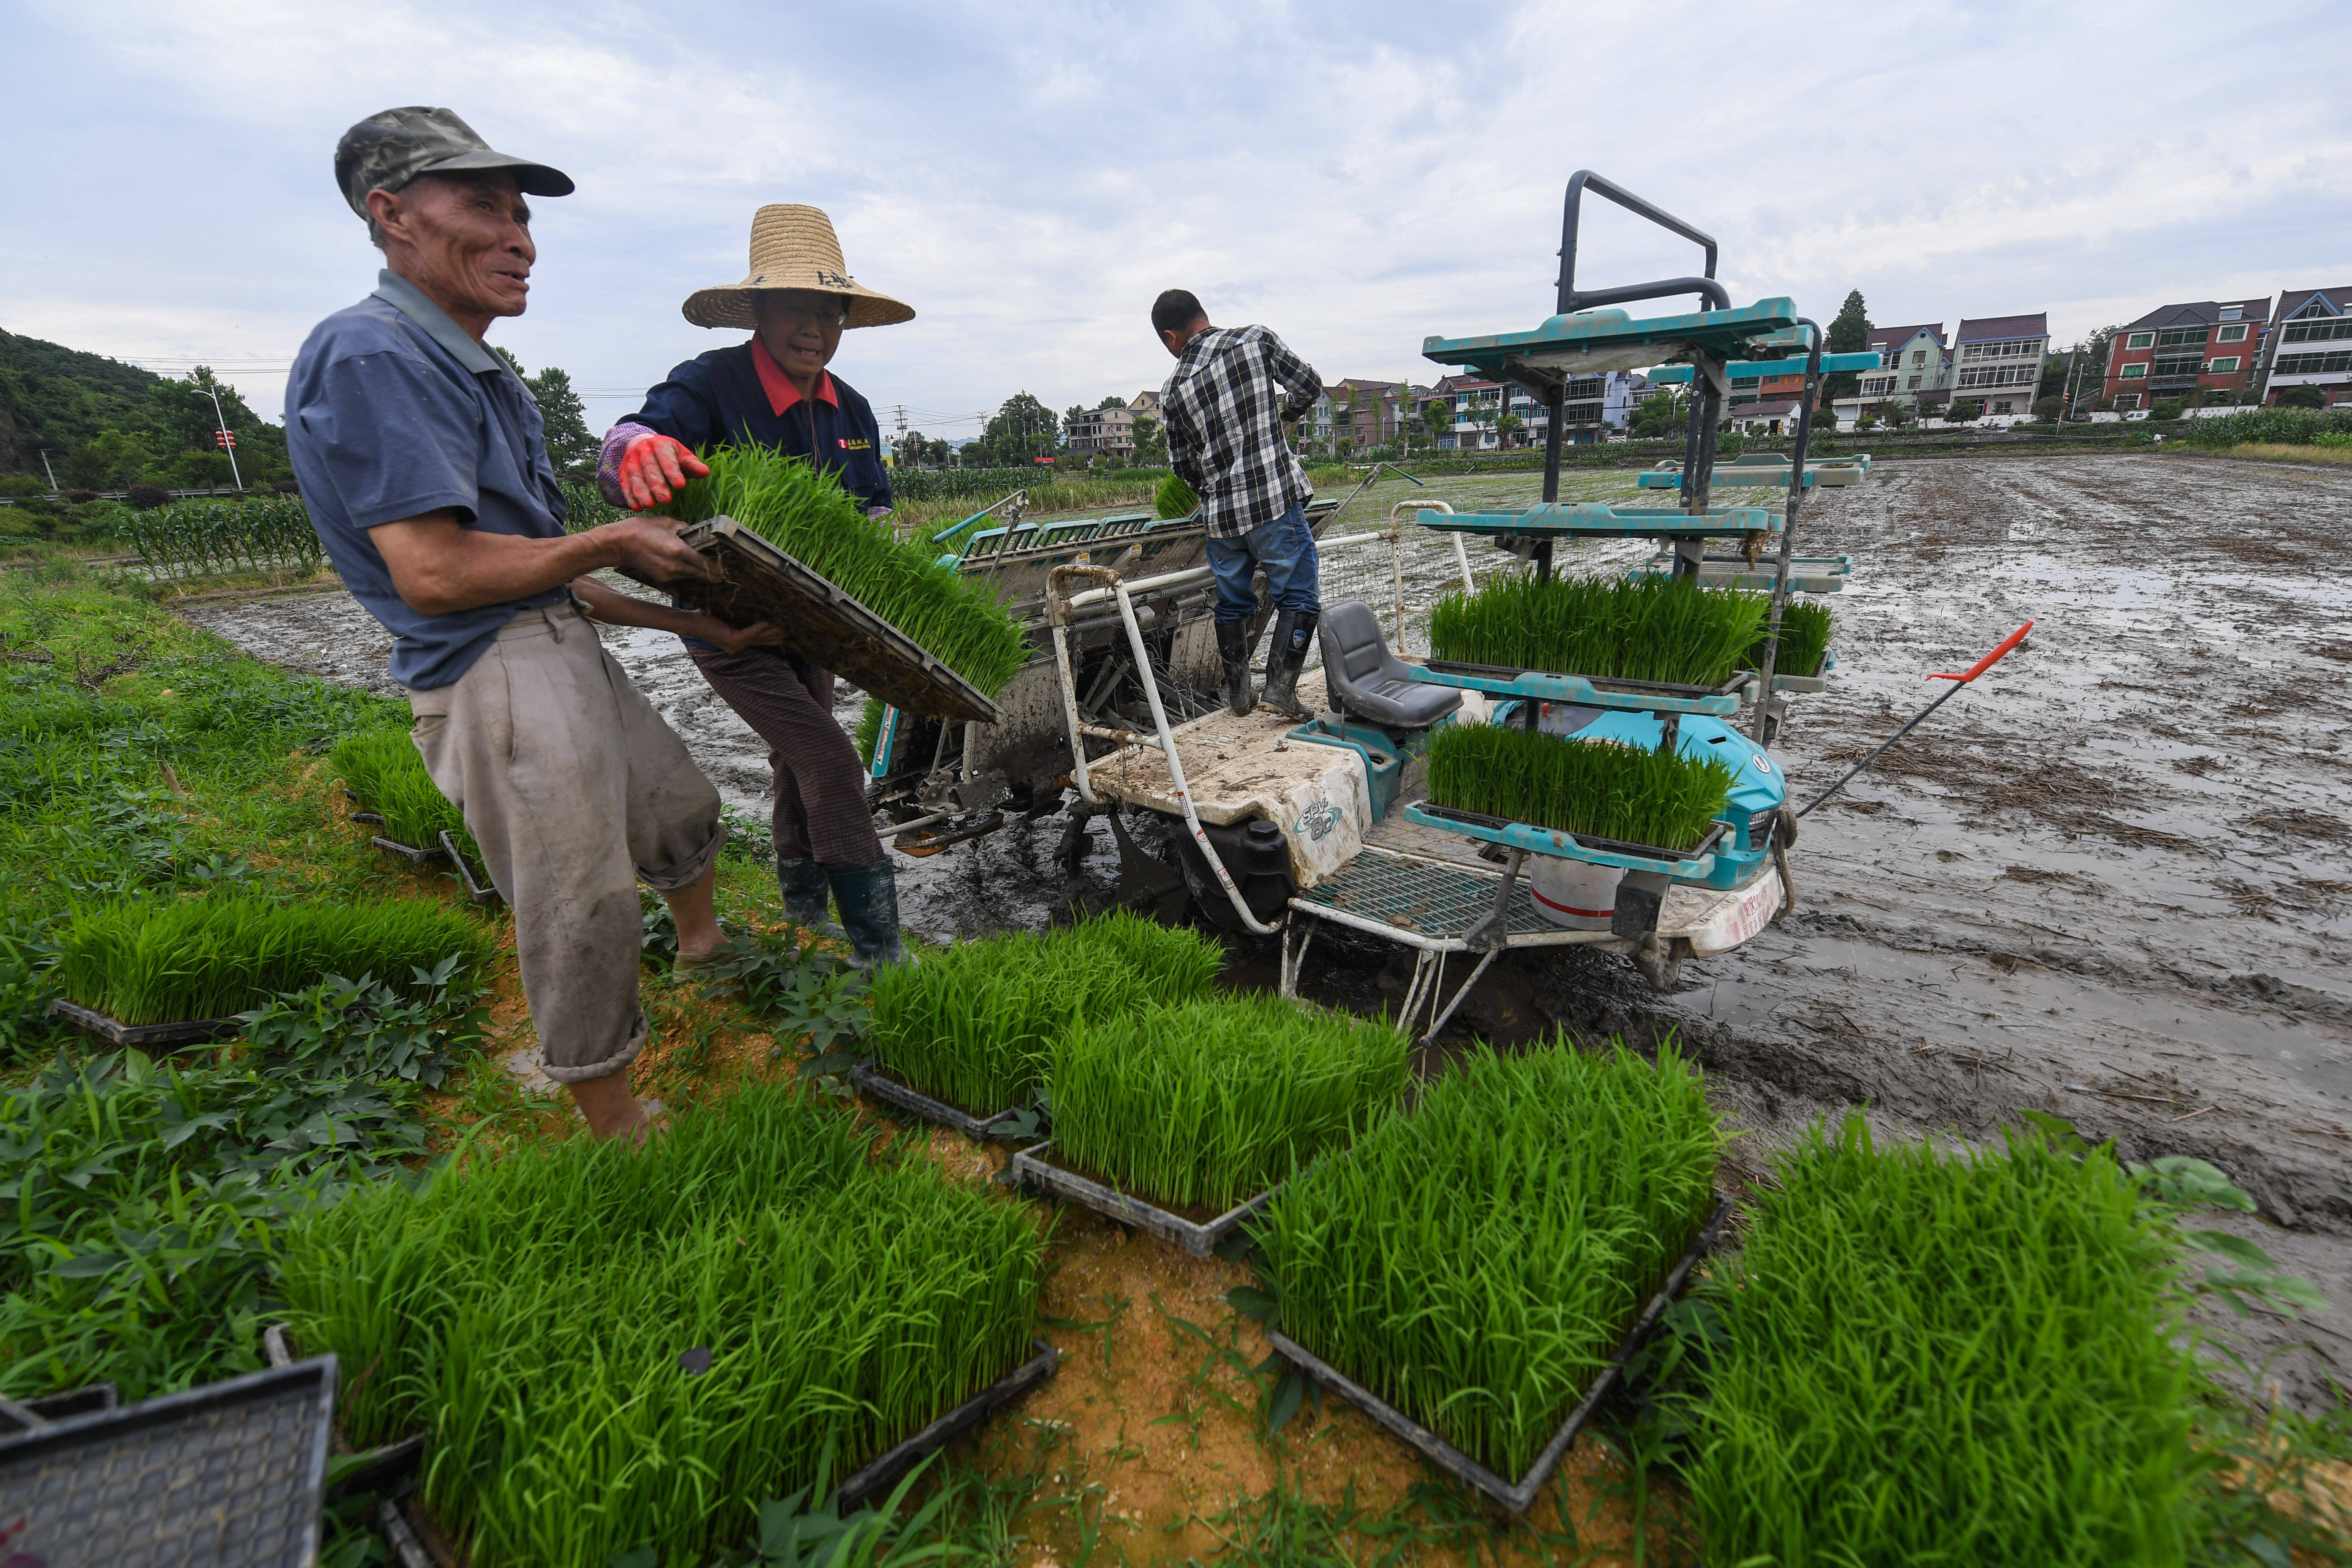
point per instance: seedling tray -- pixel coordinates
(1515, 1497)
(1681, 863)
(1756, 475)
(1806, 574)
(885, 1472)
(409, 851)
(229, 1475)
(890, 1092)
(1597, 518)
(360, 813)
(481, 892)
(1030, 1168)
(1589, 692)
(145, 1037)
(823, 625)
(1801, 683)
(28, 1415)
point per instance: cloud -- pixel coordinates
(1029, 177)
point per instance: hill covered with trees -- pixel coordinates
(106, 424)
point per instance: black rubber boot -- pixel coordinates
(806, 893)
(867, 898)
(1285, 656)
(1232, 652)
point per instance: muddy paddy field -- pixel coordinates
(2111, 881)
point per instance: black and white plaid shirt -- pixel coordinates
(1233, 388)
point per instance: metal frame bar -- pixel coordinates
(1787, 528)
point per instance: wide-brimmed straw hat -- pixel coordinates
(792, 247)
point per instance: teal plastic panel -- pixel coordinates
(1595, 518)
(1756, 370)
(1723, 332)
(1748, 475)
(1562, 845)
(1545, 686)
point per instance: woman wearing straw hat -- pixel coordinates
(773, 390)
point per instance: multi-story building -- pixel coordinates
(1996, 362)
(2311, 345)
(1914, 370)
(2204, 350)
(1104, 430)
(1477, 408)
(1353, 415)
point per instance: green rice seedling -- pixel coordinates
(975, 1024)
(1176, 499)
(1991, 1338)
(811, 518)
(870, 730)
(1624, 793)
(1213, 1102)
(611, 1348)
(1653, 628)
(384, 770)
(157, 962)
(1805, 641)
(1477, 1263)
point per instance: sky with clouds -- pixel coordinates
(1357, 176)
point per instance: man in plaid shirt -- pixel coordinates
(1233, 390)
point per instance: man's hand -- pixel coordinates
(734, 639)
(647, 549)
(654, 467)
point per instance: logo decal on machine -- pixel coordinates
(1319, 819)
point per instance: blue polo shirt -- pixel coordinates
(740, 397)
(392, 412)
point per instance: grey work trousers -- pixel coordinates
(576, 791)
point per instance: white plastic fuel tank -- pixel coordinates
(1574, 893)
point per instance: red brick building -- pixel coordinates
(2205, 351)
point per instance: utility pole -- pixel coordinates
(2067, 404)
(221, 432)
(47, 469)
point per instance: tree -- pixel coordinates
(1962, 412)
(570, 448)
(1113, 401)
(1022, 429)
(1849, 335)
(1661, 414)
(2168, 409)
(2048, 408)
(2300, 397)
(1437, 417)
(912, 449)
(1508, 429)
(1072, 417)
(1151, 442)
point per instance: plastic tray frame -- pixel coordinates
(1200, 1240)
(1589, 692)
(882, 1474)
(1589, 847)
(1516, 1497)
(891, 1092)
(140, 1037)
(409, 852)
(488, 897)
(1593, 518)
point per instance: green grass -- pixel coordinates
(155, 962)
(1945, 1358)
(808, 516)
(1212, 1103)
(1636, 796)
(529, 1317)
(1476, 1263)
(1655, 629)
(975, 1024)
(1805, 630)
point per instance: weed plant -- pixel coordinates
(811, 519)
(192, 538)
(1213, 1102)
(1988, 1337)
(1805, 641)
(1625, 793)
(1477, 1263)
(975, 1024)
(156, 963)
(1653, 628)
(751, 1305)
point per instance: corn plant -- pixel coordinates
(1991, 1337)
(1477, 1263)
(156, 963)
(1653, 628)
(751, 1305)
(190, 539)
(1805, 641)
(811, 518)
(1625, 793)
(1213, 1102)
(975, 1024)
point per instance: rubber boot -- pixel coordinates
(1232, 652)
(805, 896)
(1285, 656)
(867, 898)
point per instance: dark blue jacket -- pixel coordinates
(737, 396)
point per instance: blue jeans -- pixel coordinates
(1285, 549)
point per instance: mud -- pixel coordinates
(2111, 881)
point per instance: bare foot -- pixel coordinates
(609, 1108)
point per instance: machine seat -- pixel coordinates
(1366, 681)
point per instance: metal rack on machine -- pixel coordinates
(1586, 336)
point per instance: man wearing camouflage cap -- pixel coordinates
(424, 470)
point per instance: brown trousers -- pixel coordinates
(576, 791)
(820, 813)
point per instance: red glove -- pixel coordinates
(653, 468)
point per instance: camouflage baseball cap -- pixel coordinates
(384, 151)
